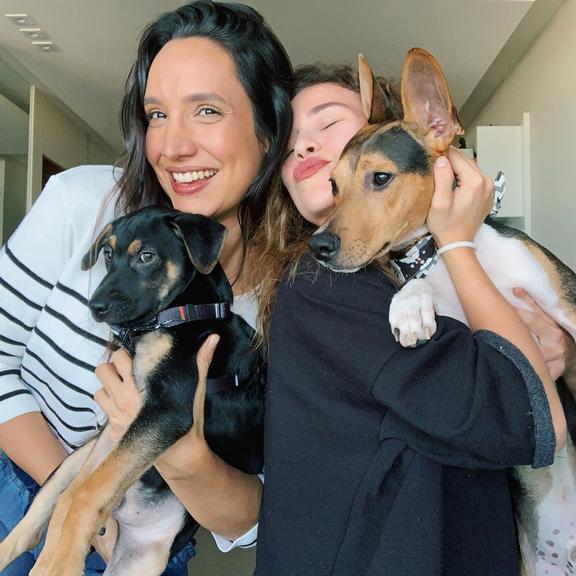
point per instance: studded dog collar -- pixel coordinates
(415, 260)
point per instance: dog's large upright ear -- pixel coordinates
(376, 104)
(91, 256)
(203, 239)
(427, 101)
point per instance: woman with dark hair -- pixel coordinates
(205, 116)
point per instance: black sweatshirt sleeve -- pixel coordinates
(461, 399)
(467, 400)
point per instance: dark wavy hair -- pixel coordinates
(265, 72)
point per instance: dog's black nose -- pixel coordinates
(324, 245)
(98, 307)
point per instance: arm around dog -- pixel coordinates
(456, 215)
(221, 498)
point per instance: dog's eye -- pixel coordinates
(380, 179)
(107, 251)
(334, 187)
(146, 257)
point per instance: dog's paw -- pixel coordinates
(15, 544)
(412, 316)
(7, 552)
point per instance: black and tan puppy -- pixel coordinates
(383, 186)
(163, 294)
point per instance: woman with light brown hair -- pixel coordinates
(395, 457)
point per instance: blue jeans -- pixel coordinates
(17, 490)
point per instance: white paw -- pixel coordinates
(412, 317)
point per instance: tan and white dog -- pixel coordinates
(383, 186)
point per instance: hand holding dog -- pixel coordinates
(557, 347)
(456, 213)
(187, 453)
(121, 401)
(118, 396)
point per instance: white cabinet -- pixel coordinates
(507, 148)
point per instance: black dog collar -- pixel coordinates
(416, 260)
(189, 313)
(173, 317)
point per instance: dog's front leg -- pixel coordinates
(87, 505)
(28, 531)
(412, 316)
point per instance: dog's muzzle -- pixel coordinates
(325, 246)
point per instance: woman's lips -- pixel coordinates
(190, 187)
(308, 168)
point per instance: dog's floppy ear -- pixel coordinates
(92, 255)
(375, 102)
(427, 101)
(203, 239)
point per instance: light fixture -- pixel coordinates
(21, 19)
(46, 46)
(35, 33)
(27, 26)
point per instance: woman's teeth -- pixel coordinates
(193, 176)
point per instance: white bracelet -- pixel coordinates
(463, 244)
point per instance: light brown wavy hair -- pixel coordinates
(283, 235)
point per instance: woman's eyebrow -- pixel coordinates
(321, 107)
(197, 97)
(205, 96)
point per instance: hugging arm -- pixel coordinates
(455, 215)
(221, 498)
(557, 346)
(467, 400)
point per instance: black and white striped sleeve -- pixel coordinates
(30, 264)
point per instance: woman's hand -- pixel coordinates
(557, 347)
(456, 213)
(118, 396)
(186, 455)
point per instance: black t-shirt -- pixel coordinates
(382, 460)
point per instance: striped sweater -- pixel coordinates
(49, 342)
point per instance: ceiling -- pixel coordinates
(97, 40)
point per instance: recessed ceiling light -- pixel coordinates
(21, 19)
(35, 33)
(46, 46)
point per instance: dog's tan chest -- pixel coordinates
(151, 349)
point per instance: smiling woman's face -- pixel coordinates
(326, 116)
(201, 141)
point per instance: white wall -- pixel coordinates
(61, 138)
(544, 84)
(14, 204)
(99, 152)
